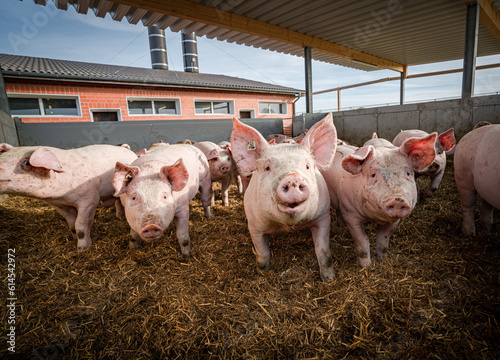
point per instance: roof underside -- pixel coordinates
(388, 34)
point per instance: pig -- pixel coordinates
(444, 142)
(286, 190)
(376, 183)
(278, 138)
(477, 171)
(222, 168)
(73, 181)
(157, 187)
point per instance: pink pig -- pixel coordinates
(157, 187)
(73, 181)
(444, 142)
(286, 191)
(376, 183)
(477, 170)
(222, 168)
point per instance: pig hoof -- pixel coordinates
(263, 268)
(134, 244)
(327, 277)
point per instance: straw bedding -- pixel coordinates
(435, 296)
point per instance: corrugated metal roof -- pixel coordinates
(407, 32)
(25, 66)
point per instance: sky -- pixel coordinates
(43, 31)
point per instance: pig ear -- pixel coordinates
(141, 152)
(44, 158)
(447, 139)
(420, 150)
(247, 146)
(176, 175)
(272, 142)
(353, 163)
(5, 147)
(214, 154)
(374, 135)
(122, 176)
(321, 141)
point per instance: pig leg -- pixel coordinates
(383, 235)
(135, 241)
(120, 210)
(225, 191)
(433, 186)
(486, 214)
(261, 244)
(240, 184)
(468, 206)
(205, 194)
(321, 238)
(83, 224)
(212, 196)
(69, 214)
(361, 242)
(182, 225)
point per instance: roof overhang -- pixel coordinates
(364, 34)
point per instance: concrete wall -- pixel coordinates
(7, 126)
(357, 126)
(138, 134)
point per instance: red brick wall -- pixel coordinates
(115, 97)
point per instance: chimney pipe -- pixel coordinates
(158, 48)
(190, 52)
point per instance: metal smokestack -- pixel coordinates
(157, 48)
(190, 52)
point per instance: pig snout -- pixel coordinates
(151, 231)
(292, 191)
(434, 167)
(225, 169)
(397, 207)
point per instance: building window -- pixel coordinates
(105, 115)
(272, 108)
(213, 107)
(49, 106)
(153, 107)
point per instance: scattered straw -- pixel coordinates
(435, 296)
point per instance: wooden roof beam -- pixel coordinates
(489, 16)
(211, 16)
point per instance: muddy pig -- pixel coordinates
(286, 191)
(376, 184)
(73, 181)
(156, 189)
(477, 171)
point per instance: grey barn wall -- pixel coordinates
(7, 126)
(138, 134)
(357, 126)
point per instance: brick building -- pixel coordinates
(44, 90)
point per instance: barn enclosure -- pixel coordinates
(435, 295)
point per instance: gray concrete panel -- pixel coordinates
(138, 134)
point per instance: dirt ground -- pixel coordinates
(435, 296)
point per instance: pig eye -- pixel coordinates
(133, 198)
(267, 168)
(307, 166)
(373, 175)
